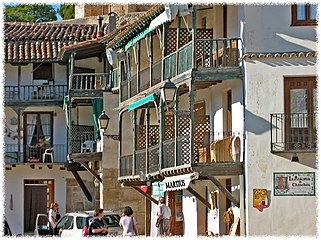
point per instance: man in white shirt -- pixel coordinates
(163, 216)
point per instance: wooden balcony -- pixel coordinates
(213, 152)
(83, 144)
(208, 62)
(295, 132)
(88, 85)
(29, 154)
(35, 95)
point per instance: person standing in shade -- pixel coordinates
(128, 223)
(98, 226)
(163, 218)
(58, 216)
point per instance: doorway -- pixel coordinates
(38, 194)
(176, 206)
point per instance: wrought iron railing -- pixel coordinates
(90, 81)
(295, 132)
(153, 152)
(57, 153)
(35, 92)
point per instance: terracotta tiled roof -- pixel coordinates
(41, 42)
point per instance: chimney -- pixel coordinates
(111, 22)
(99, 29)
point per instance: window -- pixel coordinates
(304, 15)
(37, 134)
(300, 112)
(42, 71)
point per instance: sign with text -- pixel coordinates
(158, 189)
(294, 184)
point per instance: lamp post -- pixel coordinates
(103, 121)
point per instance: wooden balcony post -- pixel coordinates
(176, 129)
(178, 43)
(72, 63)
(134, 139)
(120, 141)
(19, 81)
(151, 60)
(147, 138)
(194, 36)
(162, 135)
(191, 108)
(138, 66)
(164, 48)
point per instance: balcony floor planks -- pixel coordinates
(89, 156)
(219, 169)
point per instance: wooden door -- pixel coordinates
(175, 204)
(300, 107)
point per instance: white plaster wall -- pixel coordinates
(110, 147)
(153, 229)
(268, 29)
(84, 116)
(14, 182)
(60, 72)
(92, 63)
(189, 203)
(265, 95)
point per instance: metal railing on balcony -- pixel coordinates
(114, 82)
(35, 154)
(294, 132)
(90, 81)
(35, 92)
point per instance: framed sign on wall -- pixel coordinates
(294, 183)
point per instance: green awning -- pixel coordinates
(137, 38)
(141, 102)
(97, 106)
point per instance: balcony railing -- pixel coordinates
(35, 92)
(82, 139)
(35, 154)
(295, 132)
(114, 78)
(90, 81)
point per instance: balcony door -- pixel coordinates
(300, 111)
(37, 126)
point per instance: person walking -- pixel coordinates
(98, 226)
(128, 223)
(58, 216)
(52, 216)
(163, 218)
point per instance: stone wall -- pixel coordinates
(76, 199)
(115, 196)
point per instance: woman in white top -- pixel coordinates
(128, 223)
(52, 215)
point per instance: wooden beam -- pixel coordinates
(224, 190)
(82, 185)
(199, 197)
(89, 156)
(92, 172)
(146, 195)
(219, 169)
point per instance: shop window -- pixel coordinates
(304, 14)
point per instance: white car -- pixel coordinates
(76, 224)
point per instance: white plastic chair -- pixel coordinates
(87, 146)
(48, 152)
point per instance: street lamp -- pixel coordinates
(168, 92)
(103, 121)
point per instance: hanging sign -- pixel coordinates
(178, 182)
(260, 199)
(294, 184)
(157, 189)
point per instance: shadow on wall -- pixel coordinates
(256, 124)
(284, 62)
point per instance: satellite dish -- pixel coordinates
(111, 57)
(121, 55)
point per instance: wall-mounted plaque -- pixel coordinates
(294, 184)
